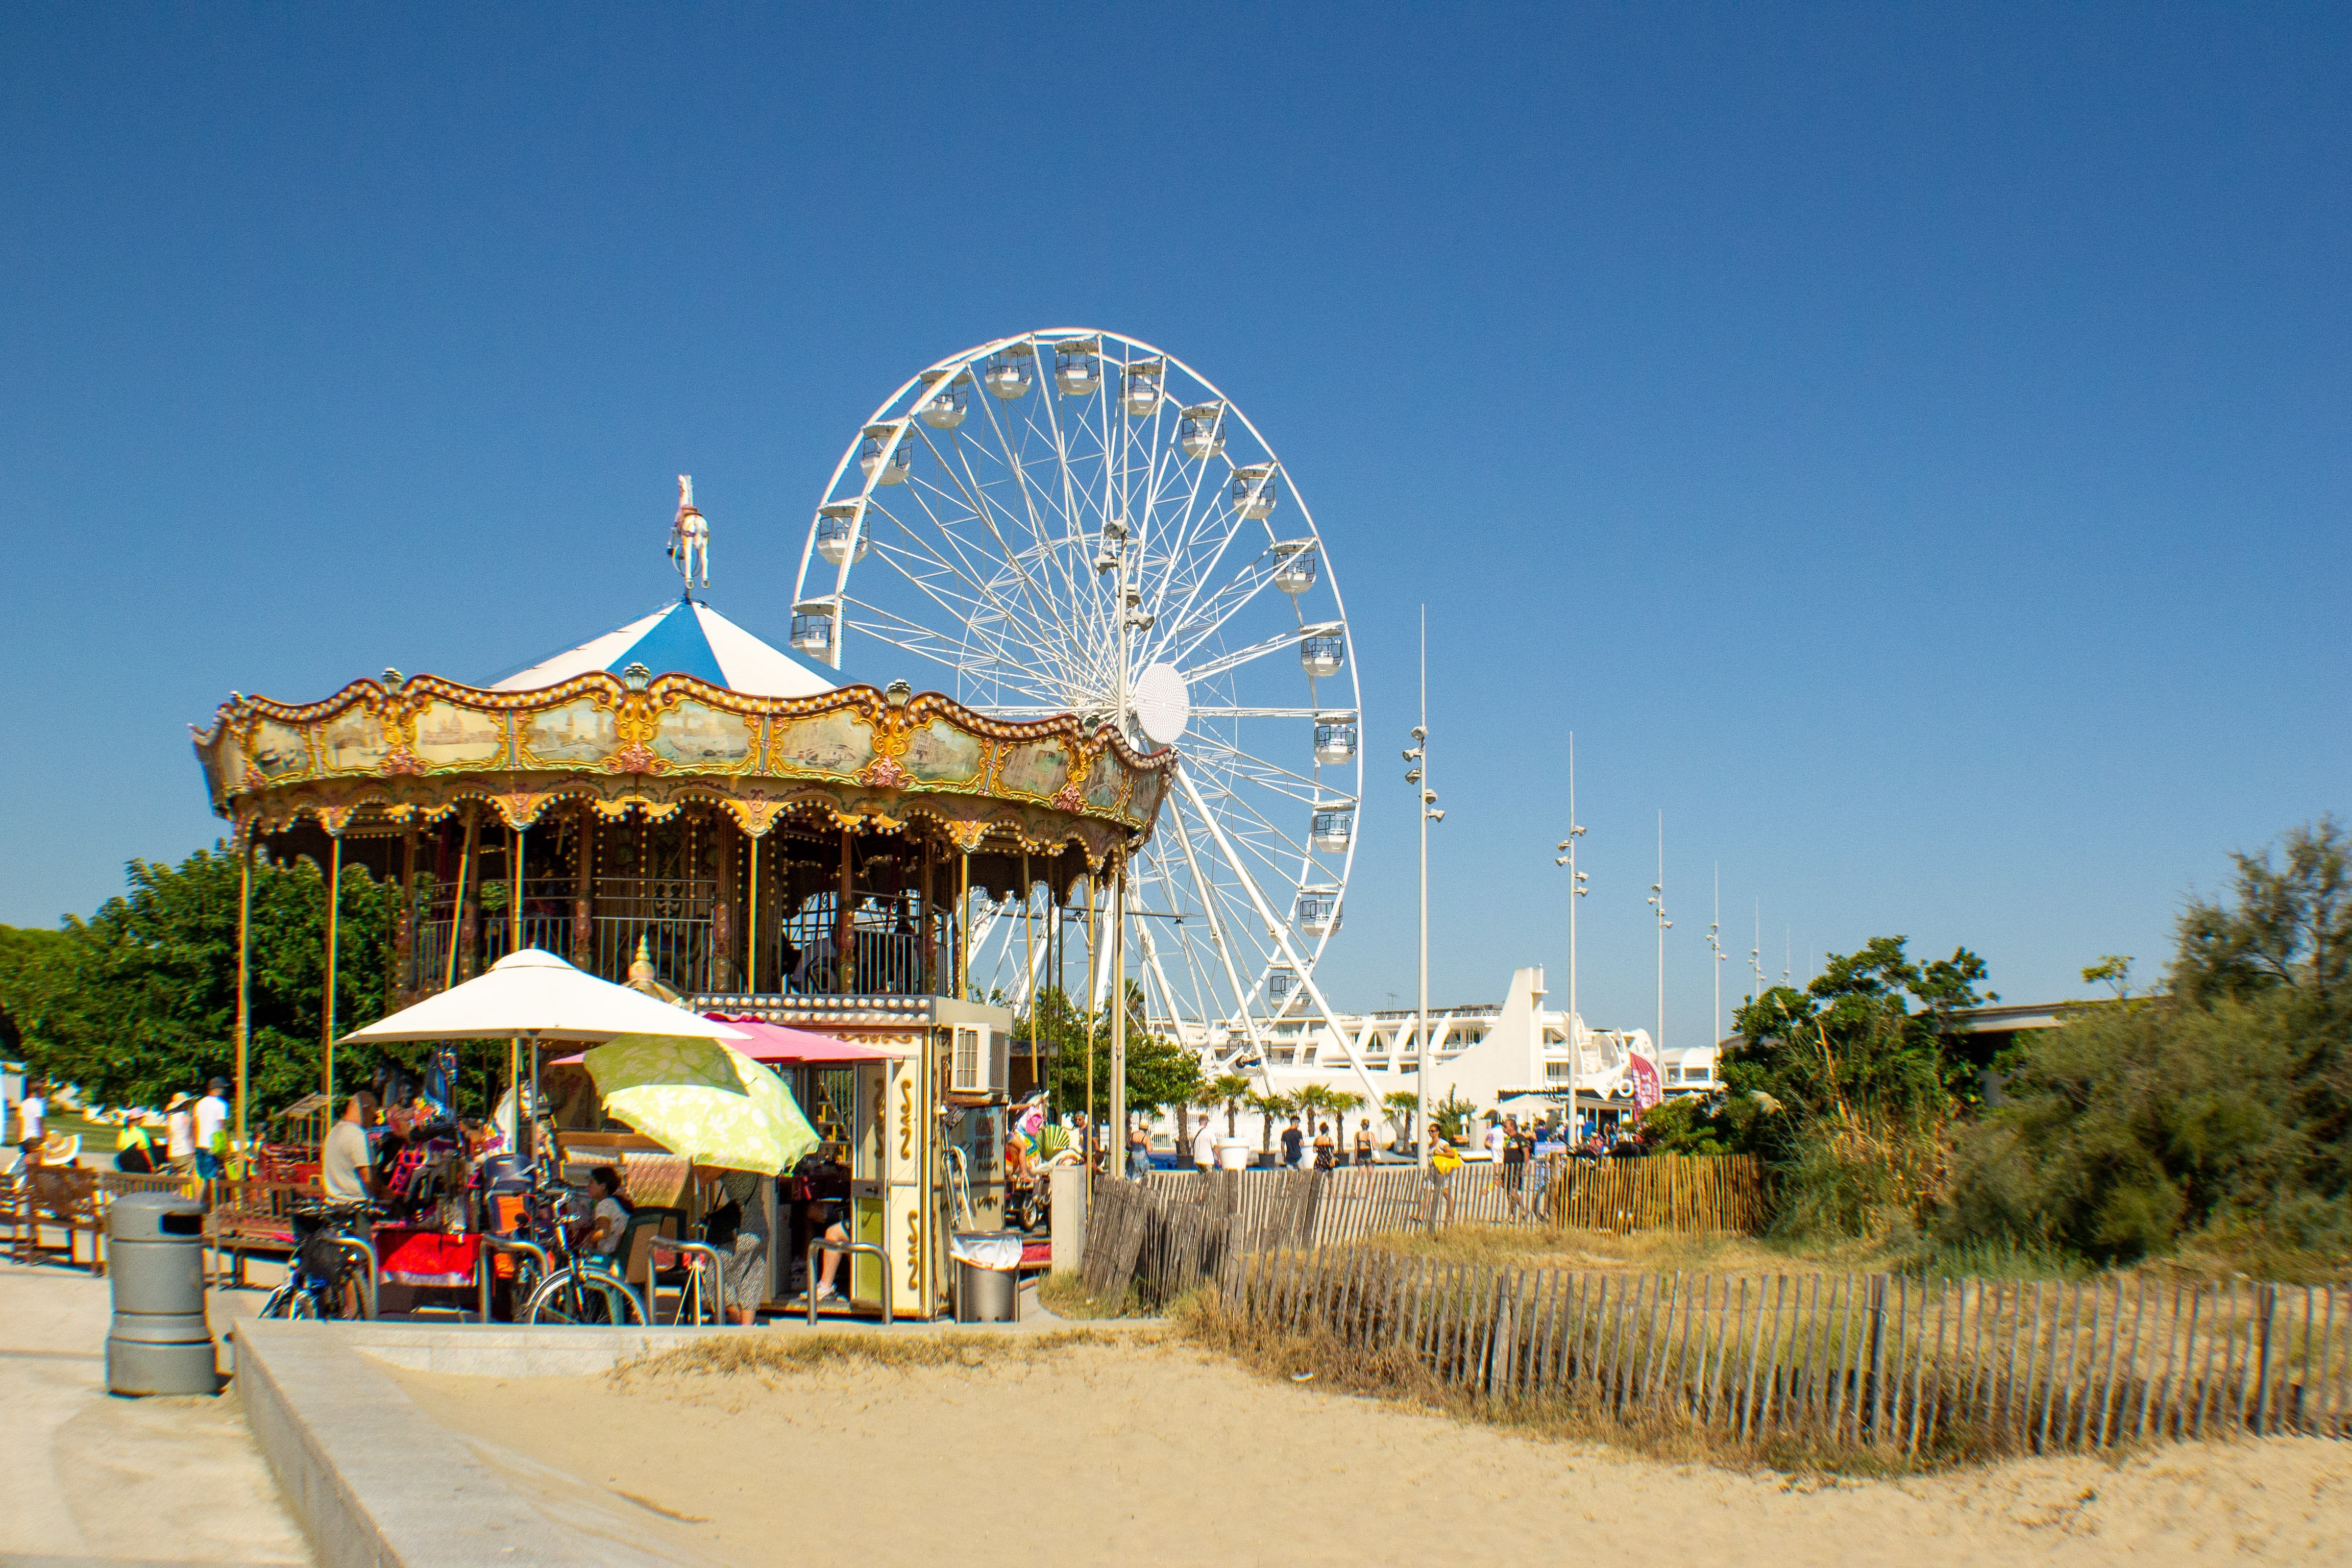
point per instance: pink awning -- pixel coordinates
(775, 1043)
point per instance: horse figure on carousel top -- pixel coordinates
(689, 534)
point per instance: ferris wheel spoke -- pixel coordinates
(976, 493)
(1234, 660)
(1258, 770)
(910, 636)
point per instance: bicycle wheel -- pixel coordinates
(281, 1301)
(579, 1298)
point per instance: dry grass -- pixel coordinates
(1065, 1295)
(1633, 1252)
(726, 1355)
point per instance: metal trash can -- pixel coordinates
(988, 1276)
(159, 1341)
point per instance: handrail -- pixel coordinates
(507, 1243)
(717, 1292)
(869, 1249)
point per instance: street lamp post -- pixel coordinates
(1715, 944)
(1417, 775)
(1567, 857)
(1658, 903)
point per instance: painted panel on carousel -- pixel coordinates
(1039, 768)
(278, 751)
(353, 741)
(579, 732)
(1104, 781)
(940, 754)
(1143, 801)
(694, 735)
(830, 743)
(448, 736)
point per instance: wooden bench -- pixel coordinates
(41, 1198)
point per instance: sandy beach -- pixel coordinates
(1160, 1453)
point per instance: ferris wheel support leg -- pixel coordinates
(1280, 931)
(1151, 954)
(1225, 954)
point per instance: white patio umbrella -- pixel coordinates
(533, 994)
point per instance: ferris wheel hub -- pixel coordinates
(1162, 703)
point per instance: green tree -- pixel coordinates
(2217, 1106)
(1160, 1072)
(1847, 1086)
(140, 999)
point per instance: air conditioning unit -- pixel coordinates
(981, 1062)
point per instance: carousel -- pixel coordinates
(677, 804)
(1141, 719)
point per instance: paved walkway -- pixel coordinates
(94, 1479)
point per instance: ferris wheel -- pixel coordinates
(1075, 521)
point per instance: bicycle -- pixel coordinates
(319, 1272)
(579, 1287)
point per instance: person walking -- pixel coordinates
(179, 1134)
(1514, 1167)
(1443, 1161)
(1139, 1153)
(1204, 1146)
(33, 1114)
(1325, 1149)
(1364, 1141)
(212, 1129)
(1294, 1143)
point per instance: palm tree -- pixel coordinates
(1229, 1090)
(1404, 1102)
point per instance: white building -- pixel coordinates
(1500, 1055)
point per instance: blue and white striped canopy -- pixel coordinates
(681, 638)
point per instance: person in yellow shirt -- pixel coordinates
(1443, 1161)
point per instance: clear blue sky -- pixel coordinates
(1908, 444)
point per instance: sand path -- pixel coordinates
(1161, 1454)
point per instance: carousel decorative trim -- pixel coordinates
(410, 751)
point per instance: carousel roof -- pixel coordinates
(681, 639)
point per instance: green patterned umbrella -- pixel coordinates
(699, 1098)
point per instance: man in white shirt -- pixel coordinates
(1496, 1139)
(33, 1115)
(212, 1122)
(347, 1161)
(1204, 1146)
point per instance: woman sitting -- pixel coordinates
(608, 1217)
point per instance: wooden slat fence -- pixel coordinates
(1917, 1369)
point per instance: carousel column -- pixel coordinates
(518, 845)
(844, 924)
(751, 915)
(930, 913)
(1119, 1010)
(583, 889)
(461, 914)
(404, 941)
(963, 937)
(469, 903)
(722, 924)
(244, 977)
(327, 1009)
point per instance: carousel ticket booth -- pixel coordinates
(678, 802)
